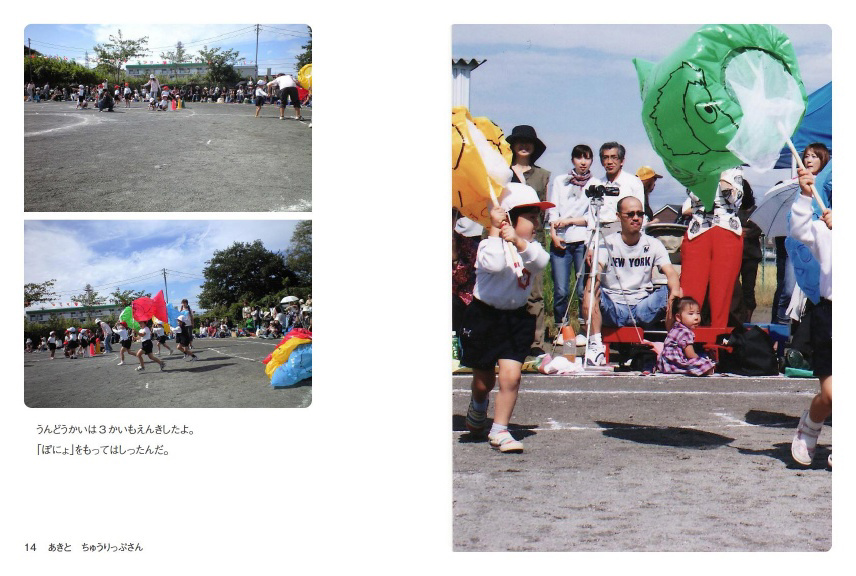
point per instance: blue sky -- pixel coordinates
(131, 254)
(279, 44)
(577, 84)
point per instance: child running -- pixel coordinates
(52, 343)
(161, 336)
(182, 338)
(127, 95)
(124, 340)
(84, 342)
(71, 345)
(146, 342)
(496, 326)
(817, 236)
(679, 356)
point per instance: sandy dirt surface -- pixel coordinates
(643, 463)
(204, 158)
(228, 373)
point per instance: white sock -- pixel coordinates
(498, 428)
(812, 424)
(595, 339)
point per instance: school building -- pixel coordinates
(182, 70)
(70, 310)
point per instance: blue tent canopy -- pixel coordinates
(816, 125)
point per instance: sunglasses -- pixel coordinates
(638, 213)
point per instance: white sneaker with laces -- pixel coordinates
(804, 442)
(581, 340)
(596, 355)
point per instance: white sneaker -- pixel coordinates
(581, 340)
(596, 355)
(139, 368)
(120, 363)
(505, 442)
(804, 442)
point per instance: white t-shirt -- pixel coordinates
(159, 331)
(146, 333)
(628, 185)
(633, 266)
(123, 332)
(286, 81)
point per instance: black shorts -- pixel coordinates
(489, 334)
(259, 101)
(290, 92)
(52, 346)
(84, 342)
(821, 338)
(161, 339)
(147, 346)
(126, 344)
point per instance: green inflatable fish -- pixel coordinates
(731, 95)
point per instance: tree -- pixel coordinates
(88, 299)
(305, 57)
(119, 50)
(123, 298)
(176, 57)
(39, 292)
(243, 272)
(298, 257)
(221, 65)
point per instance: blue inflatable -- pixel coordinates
(298, 367)
(806, 267)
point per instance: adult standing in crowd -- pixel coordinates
(568, 228)
(106, 334)
(287, 86)
(743, 302)
(526, 148)
(649, 179)
(612, 156)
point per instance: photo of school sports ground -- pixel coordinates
(205, 157)
(624, 462)
(228, 374)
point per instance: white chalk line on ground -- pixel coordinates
(777, 393)
(243, 357)
(85, 120)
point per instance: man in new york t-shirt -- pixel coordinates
(626, 261)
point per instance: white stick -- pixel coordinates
(801, 165)
(512, 256)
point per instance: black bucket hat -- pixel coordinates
(525, 132)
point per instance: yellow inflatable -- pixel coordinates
(304, 76)
(481, 160)
(281, 354)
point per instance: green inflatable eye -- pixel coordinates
(707, 113)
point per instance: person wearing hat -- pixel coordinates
(153, 86)
(649, 179)
(260, 96)
(124, 340)
(81, 97)
(127, 93)
(526, 148)
(628, 297)
(497, 327)
(52, 339)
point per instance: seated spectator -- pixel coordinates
(626, 260)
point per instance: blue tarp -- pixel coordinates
(816, 125)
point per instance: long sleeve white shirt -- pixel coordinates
(816, 236)
(496, 282)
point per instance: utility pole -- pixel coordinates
(165, 289)
(257, 52)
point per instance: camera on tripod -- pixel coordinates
(599, 191)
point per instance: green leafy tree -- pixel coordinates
(298, 257)
(305, 57)
(244, 271)
(176, 56)
(123, 298)
(221, 65)
(59, 73)
(119, 50)
(89, 298)
(35, 292)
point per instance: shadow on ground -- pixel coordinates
(664, 435)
